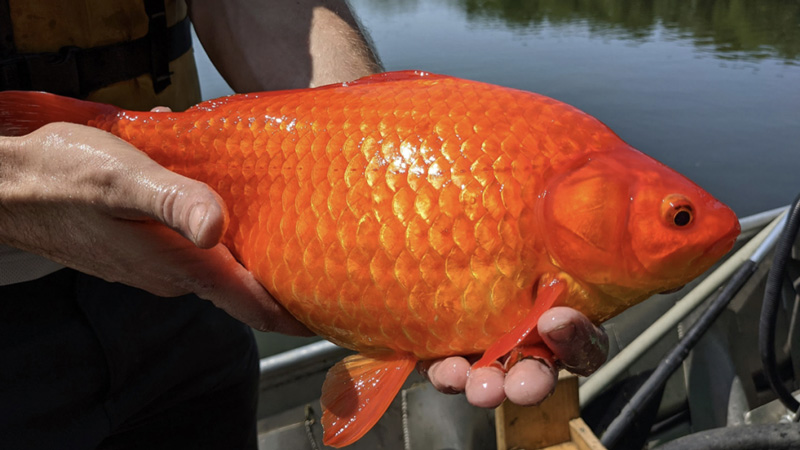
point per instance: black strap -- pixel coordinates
(7, 47)
(157, 31)
(77, 71)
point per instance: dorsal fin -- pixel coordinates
(400, 75)
(211, 105)
(356, 393)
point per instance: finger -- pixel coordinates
(161, 109)
(484, 387)
(529, 382)
(234, 289)
(174, 266)
(580, 345)
(448, 375)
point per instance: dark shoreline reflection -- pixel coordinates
(731, 29)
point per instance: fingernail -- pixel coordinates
(197, 219)
(563, 333)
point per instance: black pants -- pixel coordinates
(88, 364)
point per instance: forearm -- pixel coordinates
(282, 44)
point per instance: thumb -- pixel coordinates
(187, 206)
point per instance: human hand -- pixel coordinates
(89, 200)
(578, 345)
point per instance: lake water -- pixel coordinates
(711, 88)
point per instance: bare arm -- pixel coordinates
(88, 200)
(282, 44)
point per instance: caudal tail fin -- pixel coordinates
(22, 111)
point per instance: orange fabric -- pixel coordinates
(47, 26)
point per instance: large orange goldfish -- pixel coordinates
(411, 216)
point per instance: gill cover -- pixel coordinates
(631, 227)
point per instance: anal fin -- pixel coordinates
(356, 393)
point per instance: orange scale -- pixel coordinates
(303, 198)
(487, 235)
(370, 145)
(482, 266)
(416, 332)
(475, 298)
(460, 171)
(335, 263)
(463, 128)
(314, 259)
(416, 174)
(439, 173)
(319, 172)
(493, 201)
(367, 233)
(457, 268)
(448, 200)
(375, 170)
(348, 299)
(440, 235)
(482, 171)
(325, 226)
(396, 174)
(335, 144)
(507, 261)
(223, 185)
(289, 194)
(468, 336)
(495, 325)
(417, 237)
(289, 166)
(357, 265)
(393, 333)
(432, 269)
(406, 270)
(281, 285)
(421, 301)
(354, 170)
(403, 204)
(505, 295)
(464, 234)
(337, 198)
(319, 145)
(381, 270)
(305, 228)
(248, 168)
(358, 199)
(472, 147)
(303, 286)
(392, 237)
(511, 198)
(382, 202)
(305, 168)
(275, 166)
(346, 225)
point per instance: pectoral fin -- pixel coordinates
(525, 332)
(356, 393)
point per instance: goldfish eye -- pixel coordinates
(677, 210)
(682, 218)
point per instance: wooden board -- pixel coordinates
(544, 425)
(555, 424)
